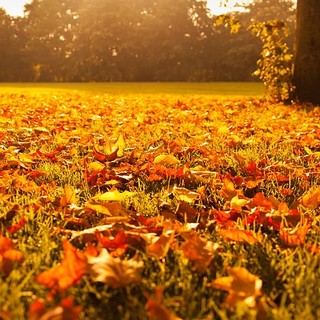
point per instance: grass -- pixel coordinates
(185, 190)
(225, 89)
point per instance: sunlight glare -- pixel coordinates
(224, 6)
(13, 8)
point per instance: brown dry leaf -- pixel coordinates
(311, 199)
(242, 286)
(239, 235)
(114, 271)
(64, 311)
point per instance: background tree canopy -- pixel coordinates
(141, 40)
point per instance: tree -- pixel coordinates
(307, 51)
(49, 30)
(12, 63)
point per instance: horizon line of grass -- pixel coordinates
(218, 89)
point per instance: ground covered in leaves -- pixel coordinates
(158, 207)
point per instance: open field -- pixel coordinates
(225, 89)
(142, 202)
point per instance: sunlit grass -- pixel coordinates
(220, 89)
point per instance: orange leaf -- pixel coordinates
(293, 237)
(64, 311)
(8, 255)
(228, 190)
(199, 251)
(239, 235)
(241, 285)
(161, 246)
(69, 272)
(156, 310)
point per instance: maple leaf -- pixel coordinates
(156, 310)
(239, 235)
(242, 286)
(114, 271)
(69, 272)
(8, 255)
(199, 251)
(64, 311)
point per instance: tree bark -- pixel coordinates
(307, 51)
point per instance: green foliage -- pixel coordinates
(275, 66)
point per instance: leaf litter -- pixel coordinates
(130, 184)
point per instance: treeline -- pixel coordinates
(140, 40)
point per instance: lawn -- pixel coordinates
(157, 201)
(219, 89)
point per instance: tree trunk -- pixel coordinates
(307, 58)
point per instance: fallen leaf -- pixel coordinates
(68, 272)
(228, 190)
(8, 255)
(161, 245)
(199, 251)
(114, 271)
(64, 311)
(242, 286)
(69, 196)
(239, 235)
(293, 236)
(113, 196)
(156, 310)
(311, 199)
(166, 160)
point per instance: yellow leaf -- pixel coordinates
(311, 199)
(166, 160)
(223, 131)
(113, 196)
(69, 196)
(237, 203)
(242, 286)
